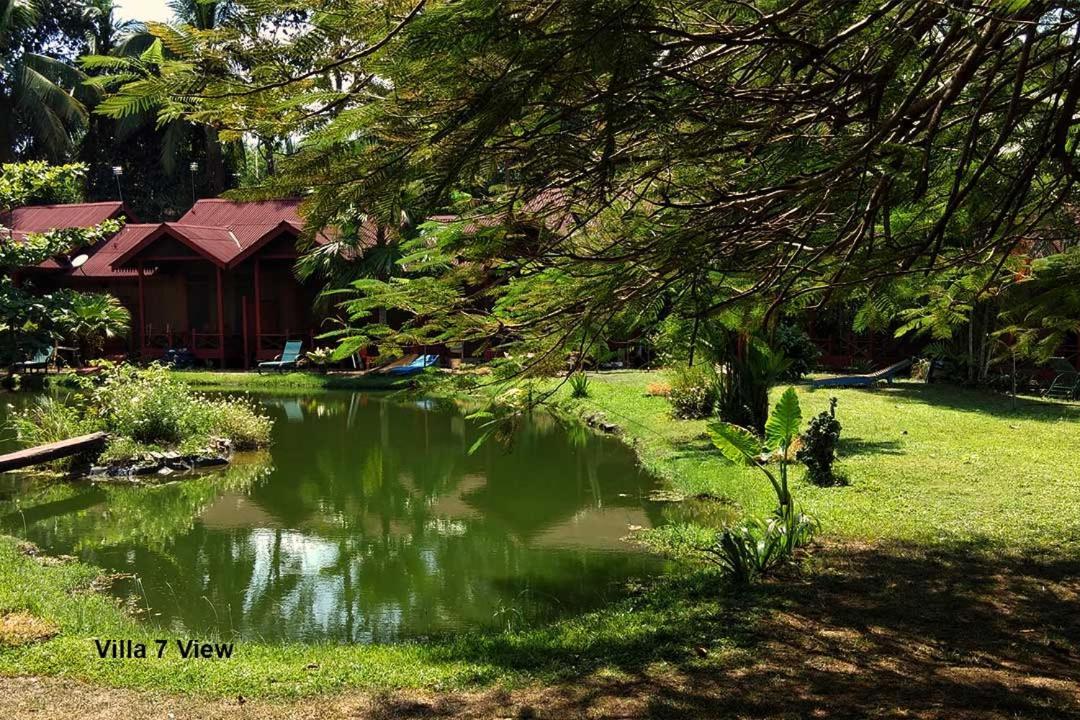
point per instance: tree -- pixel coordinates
(107, 33)
(92, 318)
(622, 154)
(30, 320)
(39, 111)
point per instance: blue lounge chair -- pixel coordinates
(40, 361)
(417, 365)
(287, 359)
(869, 380)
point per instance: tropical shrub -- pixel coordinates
(321, 357)
(818, 450)
(693, 392)
(150, 406)
(749, 549)
(239, 421)
(144, 409)
(92, 318)
(743, 384)
(801, 352)
(753, 547)
(579, 385)
(745, 551)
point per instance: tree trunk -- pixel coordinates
(215, 166)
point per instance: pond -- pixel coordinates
(367, 521)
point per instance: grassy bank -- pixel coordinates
(269, 383)
(289, 382)
(932, 464)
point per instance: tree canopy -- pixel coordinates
(614, 162)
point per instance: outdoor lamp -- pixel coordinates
(117, 171)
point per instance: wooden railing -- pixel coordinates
(155, 341)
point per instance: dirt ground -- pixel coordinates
(864, 632)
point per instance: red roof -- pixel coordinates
(232, 214)
(100, 263)
(225, 232)
(249, 222)
(40, 218)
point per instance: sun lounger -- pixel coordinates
(288, 358)
(1066, 384)
(411, 368)
(40, 361)
(869, 380)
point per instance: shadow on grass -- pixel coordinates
(857, 446)
(980, 401)
(865, 631)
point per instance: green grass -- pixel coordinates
(926, 463)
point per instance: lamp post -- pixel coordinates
(117, 171)
(194, 167)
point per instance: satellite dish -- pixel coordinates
(79, 260)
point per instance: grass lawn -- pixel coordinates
(933, 464)
(945, 584)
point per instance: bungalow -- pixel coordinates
(218, 282)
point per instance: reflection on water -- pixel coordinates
(368, 521)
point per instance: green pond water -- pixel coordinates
(367, 521)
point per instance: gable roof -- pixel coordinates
(215, 244)
(250, 222)
(225, 232)
(100, 263)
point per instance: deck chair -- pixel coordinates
(1066, 384)
(287, 359)
(40, 361)
(417, 365)
(868, 380)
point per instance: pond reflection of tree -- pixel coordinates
(82, 518)
(376, 523)
(392, 523)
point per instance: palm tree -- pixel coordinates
(92, 318)
(39, 110)
(208, 16)
(108, 33)
(141, 55)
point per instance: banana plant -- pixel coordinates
(743, 447)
